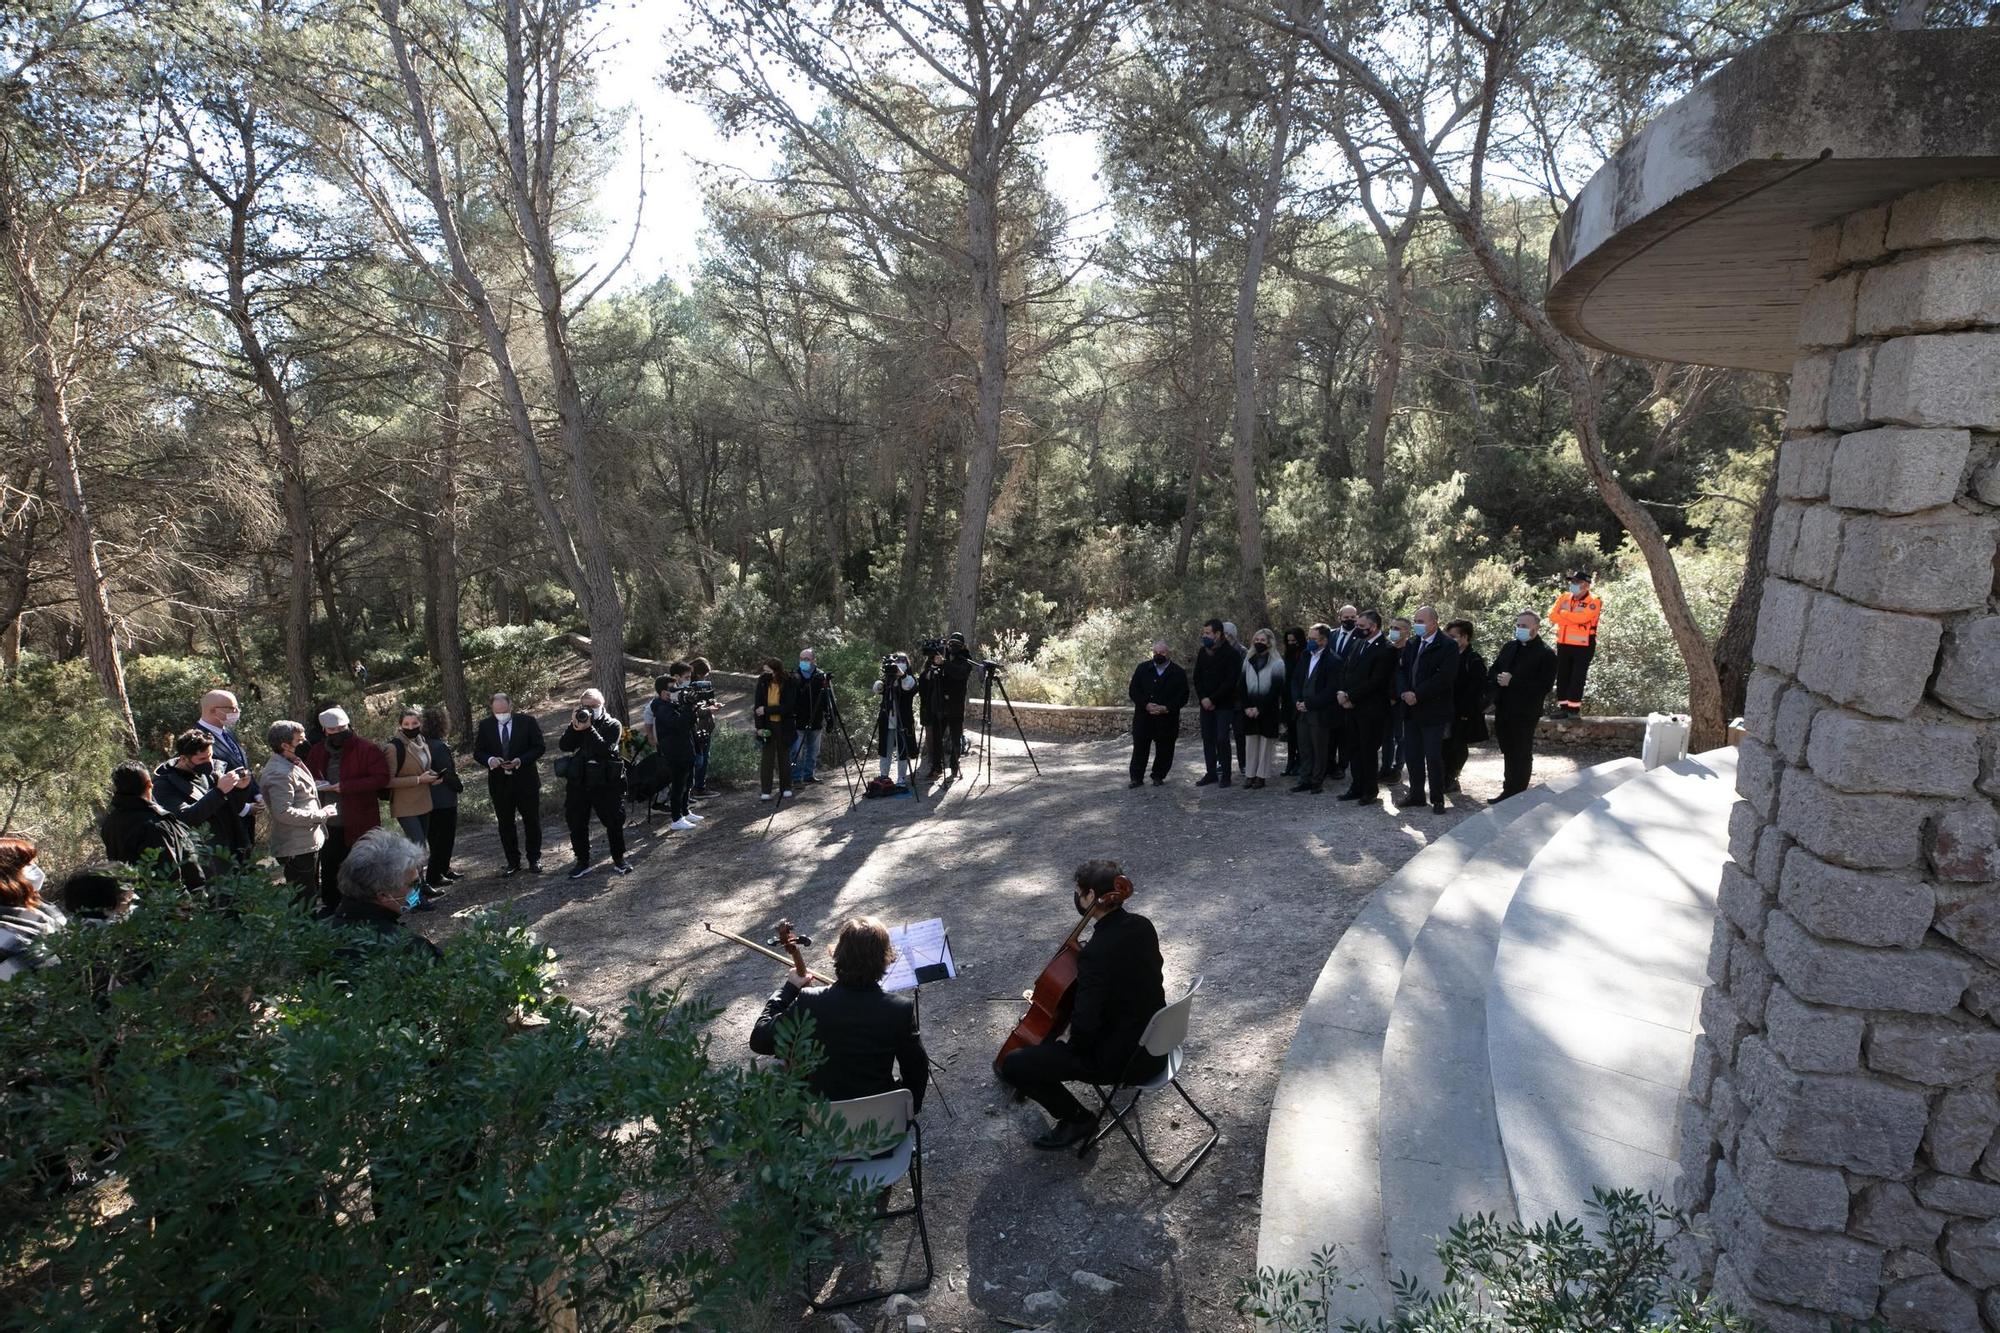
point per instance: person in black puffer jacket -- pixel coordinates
(136, 824)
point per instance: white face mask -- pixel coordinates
(35, 877)
(229, 718)
(501, 717)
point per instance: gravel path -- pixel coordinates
(1249, 888)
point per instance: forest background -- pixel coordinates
(317, 347)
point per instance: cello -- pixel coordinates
(1054, 990)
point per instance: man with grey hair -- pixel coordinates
(378, 883)
(1426, 682)
(1159, 691)
(596, 777)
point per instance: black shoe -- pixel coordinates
(1303, 786)
(534, 867)
(579, 871)
(1205, 780)
(1437, 807)
(1067, 1134)
(1337, 773)
(1224, 782)
(1451, 787)
(620, 868)
(1414, 801)
(452, 877)
(1159, 782)
(427, 903)
(508, 872)
(1354, 796)
(1505, 795)
(1138, 782)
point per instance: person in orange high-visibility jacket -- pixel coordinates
(1575, 619)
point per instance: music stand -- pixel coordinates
(923, 956)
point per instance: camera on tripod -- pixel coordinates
(936, 646)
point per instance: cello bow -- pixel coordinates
(771, 954)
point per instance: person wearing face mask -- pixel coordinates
(509, 746)
(1218, 683)
(814, 690)
(196, 791)
(28, 921)
(1119, 987)
(1344, 639)
(1159, 691)
(1295, 656)
(1426, 684)
(1366, 679)
(596, 780)
(1468, 707)
(1264, 696)
(1398, 636)
(411, 776)
(219, 716)
(298, 816)
(134, 824)
(1314, 704)
(352, 770)
(1575, 617)
(378, 883)
(1523, 671)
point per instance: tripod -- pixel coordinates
(852, 756)
(986, 725)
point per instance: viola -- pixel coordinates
(786, 938)
(1054, 991)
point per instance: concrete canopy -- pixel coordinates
(1690, 244)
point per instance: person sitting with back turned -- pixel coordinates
(1119, 987)
(863, 1030)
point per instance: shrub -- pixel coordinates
(1553, 1277)
(732, 758)
(165, 693)
(1093, 662)
(305, 1127)
(58, 742)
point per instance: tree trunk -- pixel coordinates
(983, 460)
(51, 406)
(1243, 362)
(336, 634)
(1184, 542)
(1732, 646)
(444, 599)
(913, 537)
(1388, 371)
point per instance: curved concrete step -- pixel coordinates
(1322, 1172)
(1441, 1155)
(1591, 1009)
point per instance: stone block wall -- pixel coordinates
(1841, 1140)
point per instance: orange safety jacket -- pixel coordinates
(1575, 619)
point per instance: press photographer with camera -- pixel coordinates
(705, 709)
(945, 684)
(895, 719)
(595, 774)
(668, 721)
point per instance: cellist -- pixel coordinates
(1118, 990)
(864, 1031)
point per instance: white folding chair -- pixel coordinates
(883, 1116)
(1164, 1038)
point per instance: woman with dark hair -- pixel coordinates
(1264, 709)
(1294, 659)
(771, 702)
(864, 1030)
(26, 920)
(444, 800)
(1468, 708)
(135, 824)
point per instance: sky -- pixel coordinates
(679, 138)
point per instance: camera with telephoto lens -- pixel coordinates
(934, 647)
(695, 692)
(581, 715)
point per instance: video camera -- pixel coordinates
(934, 647)
(696, 692)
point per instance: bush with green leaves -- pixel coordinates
(58, 743)
(165, 693)
(1617, 1276)
(251, 1119)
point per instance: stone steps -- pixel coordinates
(1322, 1166)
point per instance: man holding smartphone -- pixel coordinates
(509, 746)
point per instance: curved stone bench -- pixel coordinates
(1591, 1010)
(1322, 1165)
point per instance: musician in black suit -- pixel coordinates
(1119, 987)
(1313, 702)
(864, 1031)
(1159, 691)
(1524, 671)
(1366, 679)
(1427, 685)
(509, 746)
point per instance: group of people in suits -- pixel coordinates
(1361, 700)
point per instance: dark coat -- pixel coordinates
(864, 1031)
(813, 700)
(945, 687)
(1430, 671)
(594, 759)
(229, 753)
(1166, 686)
(1368, 676)
(1468, 706)
(904, 702)
(134, 826)
(525, 742)
(1218, 675)
(1119, 987)
(195, 800)
(1532, 669)
(364, 772)
(1316, 686)
(673, 731)
(1266, 692)
(387, 927)
(761, 718)
(1295, 665)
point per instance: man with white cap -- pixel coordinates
(351, 771)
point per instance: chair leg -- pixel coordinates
(916, 1209)
(1123, 1120)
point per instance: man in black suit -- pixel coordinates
(1346, 638)
(1119, 987)
(1366, 679)
(596, 781)
(1523, 673)
(1427, 685)
(510, 746)
(1159, 691)
(864, 1031)
(1313, 693)
(1218, 683)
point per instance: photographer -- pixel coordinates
(945, 685)
(596, 777)
(895, 720)
(668, 721)
(705, 709)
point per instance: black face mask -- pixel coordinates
(412, 732)
(1076, 900)
(1347, 624)
(336, 739)
(1159, 659)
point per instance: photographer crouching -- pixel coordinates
(895, 719)
(944, 686)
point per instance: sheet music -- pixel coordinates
(923, 954)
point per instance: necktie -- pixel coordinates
(505, 728)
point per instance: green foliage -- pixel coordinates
(1091, 663)
(525, 661)
(165, 693)
(301, 1126)
(732, 758)
(58, 741)
(1637, 668)
(1553, 1277)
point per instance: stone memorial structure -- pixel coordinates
(1830, 206)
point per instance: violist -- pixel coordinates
(866, 1032)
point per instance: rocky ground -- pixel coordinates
(1249, 890)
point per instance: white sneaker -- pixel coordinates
(695, 817)
(763, 796)
(680, 826)
(787, 795)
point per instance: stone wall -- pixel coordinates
(1840, 1137)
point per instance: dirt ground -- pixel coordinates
(1248, 889)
